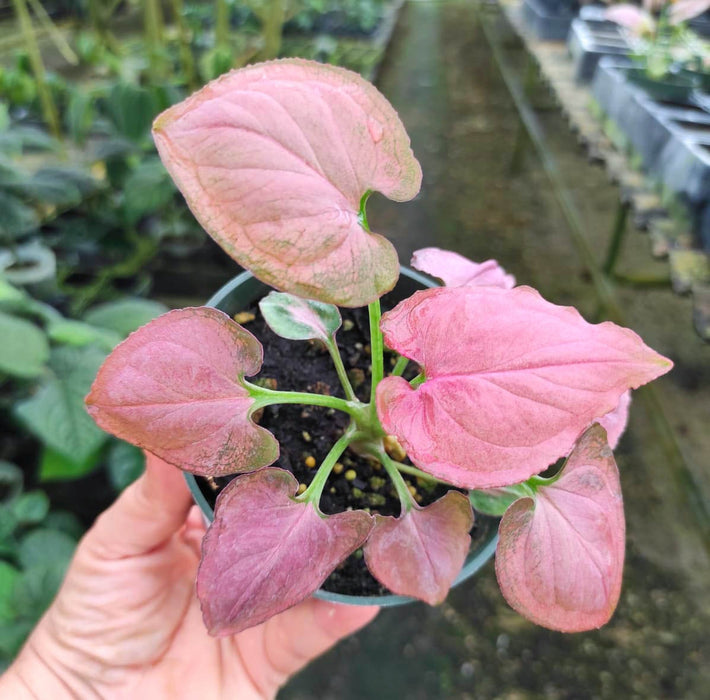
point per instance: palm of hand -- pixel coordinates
(127, 624)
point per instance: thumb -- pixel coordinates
(145, 515)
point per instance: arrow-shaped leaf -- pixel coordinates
(274, 160)
(455, 270)
(560, 555)
(511, 381)
(174, 387)
(265, 552)
(421, 552)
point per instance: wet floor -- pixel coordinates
(440, 76)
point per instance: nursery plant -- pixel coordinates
(277, 162)
(663, 45)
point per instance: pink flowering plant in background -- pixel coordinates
(277, 162)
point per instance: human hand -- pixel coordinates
(126, 622)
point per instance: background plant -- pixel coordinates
(662, 41)
(88, 213)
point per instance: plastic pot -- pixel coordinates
(676, 88)
(237, 295)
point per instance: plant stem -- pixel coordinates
(54, 32)
(313, 493)
(186, 58)
(391, 468)
(144, 249)
(268, 397)
(362, 214)
(419, 379)
(377, 349)
(413, 471)
(340, 369)
(153, 21)
(400, 366)
(221, 26)
(535, 481)
(49, 108)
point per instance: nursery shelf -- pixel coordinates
(669, 239)
(688, 267)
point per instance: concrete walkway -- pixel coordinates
(440, 77)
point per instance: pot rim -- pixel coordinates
(475, 560)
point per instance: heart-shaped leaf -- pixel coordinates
(274, 160)
(265, 552)
(174, 387)
(455, 270)
(421, 552)
(523, 379)
(560, 555)
(295, 318)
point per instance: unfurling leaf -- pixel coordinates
(295, 318)
(265, 552)
(421, 552)
(455, 270)
(274, 160)
(511, 381)
(174, 388)
(560, 555)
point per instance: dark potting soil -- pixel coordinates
(306, 432)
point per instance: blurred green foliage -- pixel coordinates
(82, 214)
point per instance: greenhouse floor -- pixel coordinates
(440, 76)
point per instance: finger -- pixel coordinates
(195, 519)
(146, 514)
(194, 530)
(302, 633)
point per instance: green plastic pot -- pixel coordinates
(675, 88)
(238, 295)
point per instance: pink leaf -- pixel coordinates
(274, 159)
(615, 421)
(683, 10)
(420, 553)
(630, 16)
(265, 552)
(560, 556)
(455, 270)
(174, 388)
(511, 381)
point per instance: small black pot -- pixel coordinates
(238, 295)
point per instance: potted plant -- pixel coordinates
(277, 162)
(671, 60)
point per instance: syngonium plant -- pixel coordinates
(660, 38)
(277, 161)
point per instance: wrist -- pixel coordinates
(12, 687)
(32, 676)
